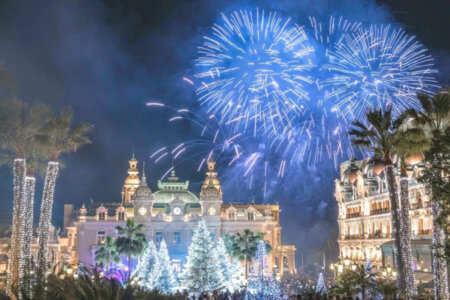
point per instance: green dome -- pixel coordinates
(172, 189)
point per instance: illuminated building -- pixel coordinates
(364, 216)
(171, 212)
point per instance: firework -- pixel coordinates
(377, 67)
(254, 71)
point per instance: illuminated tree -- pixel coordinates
(231, 270)
(146, 268)
(434, 122)
(57, 137)
(19, 125)
(202, 270)
(164, 279)
(261, 284)
(381, 138)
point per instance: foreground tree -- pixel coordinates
(19, 125)
(202, 270)
(146, 268)
(57, 137)
(131, 241)
(434, 121)
(107, 253)
(164, 279)
(381, 138)
(231, 270)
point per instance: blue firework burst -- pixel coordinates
(254, 71)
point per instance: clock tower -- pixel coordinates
(211, 194)
(142, 202)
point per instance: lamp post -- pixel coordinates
(389, 273)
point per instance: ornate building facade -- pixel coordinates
(364, 216)
(172, 212)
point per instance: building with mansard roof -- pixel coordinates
(172, 212)
(364, 217)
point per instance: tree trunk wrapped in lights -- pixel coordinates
(405, 235)
(26, 262)
(396, 222)
(19, 170)
(45, 221)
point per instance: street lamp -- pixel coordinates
(389, 273)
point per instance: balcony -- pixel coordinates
(380, 211)
(354, 215)
(379, 235)
(423, 232)
(353, 237)
(420, 205)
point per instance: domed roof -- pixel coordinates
(351, 172)
(173, 189)
(143, 190)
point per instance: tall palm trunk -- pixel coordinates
(45, 221)
(410, 288)
(26, 263)
(438, 251)
(19, 170)
(396, 225)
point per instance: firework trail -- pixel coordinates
(254, 70)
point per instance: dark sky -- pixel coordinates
(107, 59)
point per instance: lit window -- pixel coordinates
(158, 237)
(101, 238)
(177, 238)
(121, 216)
(102, 216)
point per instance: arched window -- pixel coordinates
(285, 263)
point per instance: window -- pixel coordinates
(231, 215)
(177, 238)
(250, 216)
(102, 216)
(121, 216)
(101, 238)
(158, 237)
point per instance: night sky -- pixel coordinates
(107, 59)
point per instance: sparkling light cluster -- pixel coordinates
(26, 264)
(45, 221)
(14, 270)
(405, 237)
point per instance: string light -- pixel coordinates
(45, 220)
(25, 263)
(19, 170)
(261, 284)
(405, 239)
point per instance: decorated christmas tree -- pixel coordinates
(261, 284)
(164, 279)
(321, 287)
(231, 270)
(202, 270)
(146, 269)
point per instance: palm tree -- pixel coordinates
(434, 121)
(131, 241)
(387, 288)
(57, 137)
(107, 253)
(344, 286)
(381, 138)
(243, 246)
(364, 281)
(18, 125)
